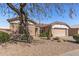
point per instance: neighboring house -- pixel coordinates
(7, 30)
(33, 28)
(74, 30)
(59, 29)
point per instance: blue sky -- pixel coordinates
(43, 19)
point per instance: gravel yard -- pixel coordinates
(37, 48)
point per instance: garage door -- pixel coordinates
(59, 32)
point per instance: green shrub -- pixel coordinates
(4, 37)
(76, 37)
(43, 34)
(46, 32)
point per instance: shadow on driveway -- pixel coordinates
(72, 41)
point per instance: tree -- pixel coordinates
(49, 33)
(23, 29)
(37, 9)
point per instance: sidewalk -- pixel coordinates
(72, 53)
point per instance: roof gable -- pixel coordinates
(17, 19)
(59, 23)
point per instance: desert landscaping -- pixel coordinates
(31, 29)
(37, 48)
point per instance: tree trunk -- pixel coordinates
(49, 33)
(23, 29)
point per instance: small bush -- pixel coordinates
(56, 38)
(43, 34)
(4, 37)
(24, 38)
(76, 37)
(59, 39)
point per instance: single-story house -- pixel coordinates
(74, 30)
(59, 29)
(32, 25)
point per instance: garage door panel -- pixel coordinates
(59, 32)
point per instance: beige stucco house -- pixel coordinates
(58, 29)
(33, 28)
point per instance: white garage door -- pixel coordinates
(59, 32)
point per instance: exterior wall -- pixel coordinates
(37, 31)
(78, 30)
(60, 26)
(67, 32)
(14, 27)
(31, 30)
(73, 31)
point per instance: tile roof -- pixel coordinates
(61, 23)
(17, 18)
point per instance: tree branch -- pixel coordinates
(22, 5)
(13, 8)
